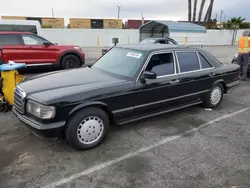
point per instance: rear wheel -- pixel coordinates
(87, 128)
(70, 62)
(214, 97)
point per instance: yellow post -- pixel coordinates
(185, 41)
(98, 41)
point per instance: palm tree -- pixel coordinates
(194, 13)
(211, 10)
(201, 10)
(235, 22)
(189, 10)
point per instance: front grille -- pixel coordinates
(19, 100)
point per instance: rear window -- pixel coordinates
(8, 40)
(7, 28)
(21, 28)
(188, 61)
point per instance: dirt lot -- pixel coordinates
(188, 148)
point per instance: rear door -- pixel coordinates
(195, 73)
(36, 53)
(12, 48)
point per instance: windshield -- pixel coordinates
(148, 41)
(124, 62)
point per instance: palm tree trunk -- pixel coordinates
(201, 10)
(194, 13)
(211, 9)
(189, 10)
(207, 14)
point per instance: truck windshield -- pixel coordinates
(124, 62)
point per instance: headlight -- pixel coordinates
(77, 47)
(40, 111)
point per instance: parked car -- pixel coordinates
(165, 40)
(26, 47)
(129, 83)
(32, 26)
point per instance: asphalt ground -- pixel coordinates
(193, 147)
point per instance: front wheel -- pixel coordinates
(70, 62)
(214, 97)
(87, 128)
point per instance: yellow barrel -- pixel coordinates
(10, 80)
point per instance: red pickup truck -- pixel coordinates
(25, 47)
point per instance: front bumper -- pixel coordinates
(50, 130)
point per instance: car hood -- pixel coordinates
(58, 84)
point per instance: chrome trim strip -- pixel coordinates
(159, 113)
(199, 60)
(37, 125)
(157, 102)
(38, 64)
(171, 99)
(122, 110)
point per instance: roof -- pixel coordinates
(155, 47)
(171, 26)
(13, 32)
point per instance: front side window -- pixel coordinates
(123, 62)
(161, 64)
(32, 40)
(8, 40)
(188, 61)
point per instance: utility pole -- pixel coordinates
(221, 13)
(142, 18)
(53, 13)
(119, 8)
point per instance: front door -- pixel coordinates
(162, 93)
(35, 52)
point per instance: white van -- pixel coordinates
(21, 25)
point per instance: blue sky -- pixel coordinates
(130, 9)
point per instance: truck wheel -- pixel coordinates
(214, 97)
(87, 128)
(70, 62)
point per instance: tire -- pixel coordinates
(214, 97)
(87, 128)
(70, 62)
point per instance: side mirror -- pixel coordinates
(149, 75)
(46, 43)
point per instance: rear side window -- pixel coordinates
(188, 61)
(204, 62)
(9, 40)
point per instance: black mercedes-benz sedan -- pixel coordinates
(129, 83)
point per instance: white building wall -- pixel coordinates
(103, 37)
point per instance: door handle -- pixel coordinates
(212, 74)
(176, 81)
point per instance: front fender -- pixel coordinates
(88, 104)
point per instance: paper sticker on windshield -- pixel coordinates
(134, 54)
